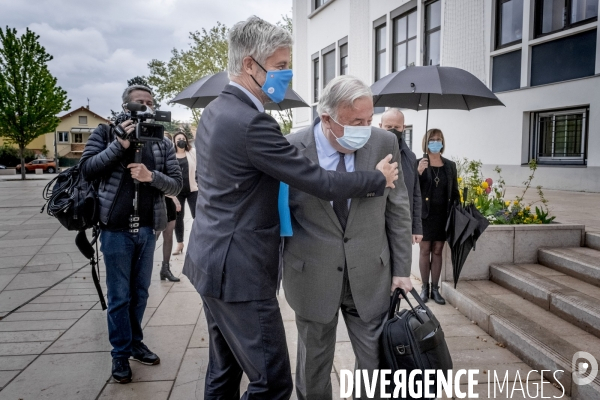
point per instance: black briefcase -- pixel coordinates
(413, 339)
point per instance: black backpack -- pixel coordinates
(413, 339)
(74, 202)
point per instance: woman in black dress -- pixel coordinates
(187, 161)
(439, 190)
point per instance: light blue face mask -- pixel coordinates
(354, 137)
(435, 147)
(276, 83)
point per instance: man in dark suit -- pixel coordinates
(393, 120)
(232, 258)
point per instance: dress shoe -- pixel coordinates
(121, 371)
(141, 354)
(178, 250)
(436, 296)
(166, 274)
(425, 292)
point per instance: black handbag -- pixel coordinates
(413, 339)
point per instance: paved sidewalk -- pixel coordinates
(55, 345)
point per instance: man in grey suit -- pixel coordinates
(348, 254)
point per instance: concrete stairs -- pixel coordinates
(544, 313)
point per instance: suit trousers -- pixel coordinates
(316, 347)
(246, 337)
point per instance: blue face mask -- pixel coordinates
(435, 147)
(276, 83)
(354, 137)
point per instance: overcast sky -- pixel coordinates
(99, 45)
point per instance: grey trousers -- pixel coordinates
(316, 346)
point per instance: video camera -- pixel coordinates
(144, 131)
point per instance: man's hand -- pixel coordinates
(417, 239)
(128, 127)
(389, 170)
(402, 283)
(140, 172)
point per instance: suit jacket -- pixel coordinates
(411, 180)
(426, 182)
(375, 245)
(241, 158)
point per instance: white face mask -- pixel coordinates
(355, 137)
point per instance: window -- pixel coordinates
(509, 22)
(77, 138)
(316, 79)
(506, 72)
(407, 135)
(344, 59)
(433, 26)
(319, 3)
(63, 137)
(577, 59)
(405, 41)
(82, 120)
(380, 49)
(556, 15)
(560, 136)
(328, 67)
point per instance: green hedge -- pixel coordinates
(9, 156)
(67, 162)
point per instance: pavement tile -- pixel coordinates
(11, 363)
(89, 334)
(30, 336)
(5, 280)
(6, 376)
(190, 379)
(462, 330)
(11, 299)
(10, 271)
(13, 262)
(71, 291)
(137, 391)
(46, 377)
(9, 244)
(344, 357)
(44, 315)
(461, 343)
(148, 313)
(170, 343)
(180, 308)
(58, 248)
(37, 280)
(287, 314)
(31, 269)
(85, 305)
(59, 258)
(200, 335)
(19, 251)
(64, 299)
(23, 349)
(36, 325)
(157, 292)
(491, 356)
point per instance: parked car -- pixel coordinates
(46, 165)
(2, 166)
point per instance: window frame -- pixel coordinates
(499, 26)
(378, 51)
(343, 60)
(86, 120)
(326, 52)
(564, 160)
(427, 32)
(77, 135)
(316, 67)
(409, 128)
(59, 136)
(396, 45)
(537, 20)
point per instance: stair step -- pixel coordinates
(592, 240)
(580, 262)
(568, 303)
(540, 338)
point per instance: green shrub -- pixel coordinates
(9, 156)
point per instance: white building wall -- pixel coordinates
(496, 135)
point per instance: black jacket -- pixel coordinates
(242, 156)
(411, 180)
(104, 157)
(426, 182)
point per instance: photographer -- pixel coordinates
(128, 249)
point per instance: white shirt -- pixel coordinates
(328, 155)
(252, 97)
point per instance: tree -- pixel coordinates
(29, 96)
(207, 55)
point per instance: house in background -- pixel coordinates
(540, 57)
(70, 136)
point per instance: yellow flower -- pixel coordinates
(479, 190)
(535, 217)
(484, 185)
(476, 200)
(516, 202)
(459, 179)
(527, 208)
(507, 203)
(520, 214)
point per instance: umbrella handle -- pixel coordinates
(465, 193)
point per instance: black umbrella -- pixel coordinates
(465, 225)
(432, 87)
(206, 89)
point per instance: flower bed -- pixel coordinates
(489, 196)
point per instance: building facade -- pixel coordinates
(540, 57)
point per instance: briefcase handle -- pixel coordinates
(395, 304)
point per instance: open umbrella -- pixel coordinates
(207, 88)
(432, 87)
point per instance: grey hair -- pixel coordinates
(126, 97)
(392, 110)
(342, 91)
(257, 38)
